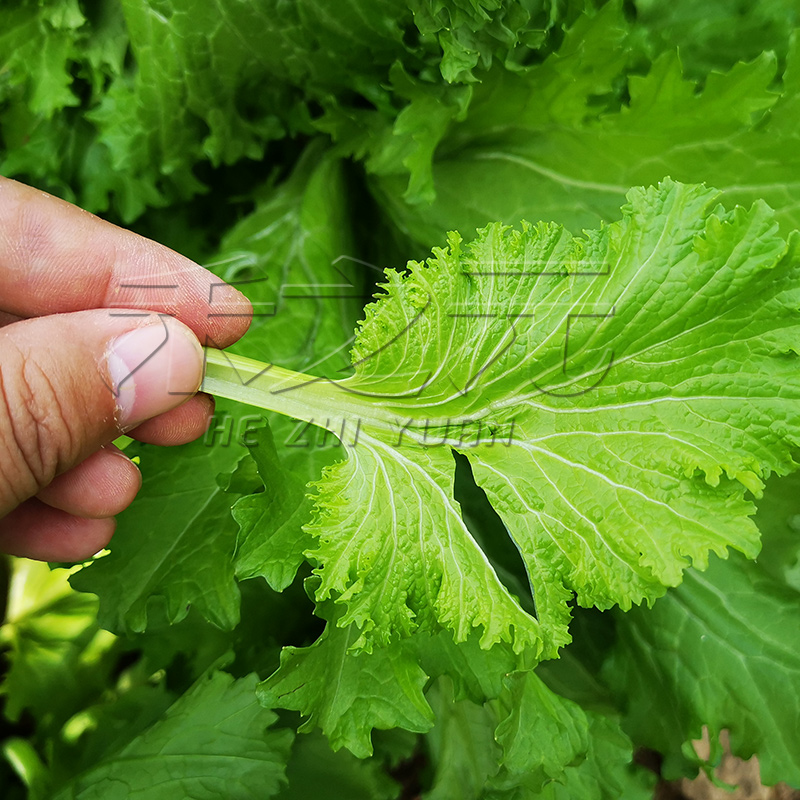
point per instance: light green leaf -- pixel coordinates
(616, 454)
(210, 743)
(390, 582)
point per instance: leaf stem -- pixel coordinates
(318, 401)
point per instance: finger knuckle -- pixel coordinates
(34, 434)
(26, 236)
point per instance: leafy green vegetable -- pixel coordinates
(528, 422)
(582, 755)
(271, 538)
(186, 560)
(736, 623)
(779, 521)
(59, 655)
(484, 350)
(554, 143)
(344, 777)
(718, 34)
(217, 84)
(190, 567)
(295, 256)
(210, 743)
(345, 695)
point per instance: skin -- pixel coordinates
(70, 284)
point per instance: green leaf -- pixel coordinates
(474, 33)
(346, 694)
(389, 582)
(58, 655)
(544, 746)
(476, 674)
(175, 546)
(37, 49)
(179, 105)
(166, 90)
(173, 549)
(720, 33)
(541, 734)
(575, 674)
(723, 650)
(297, 259)
(778, 518)
(20, 755)
(313, 765)
(56, 59)
(405, 147)
(408, 146)
(639, 379)
(557, 143)
(210, 743)
(606, 774)
(218, 83)
(271, 538)
(461, 746)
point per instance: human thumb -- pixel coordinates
(70, 383)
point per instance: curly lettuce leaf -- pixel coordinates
(617, 396)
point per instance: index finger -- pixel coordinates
(55, 257)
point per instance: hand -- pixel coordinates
(100, 333)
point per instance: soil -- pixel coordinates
(744, 775)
